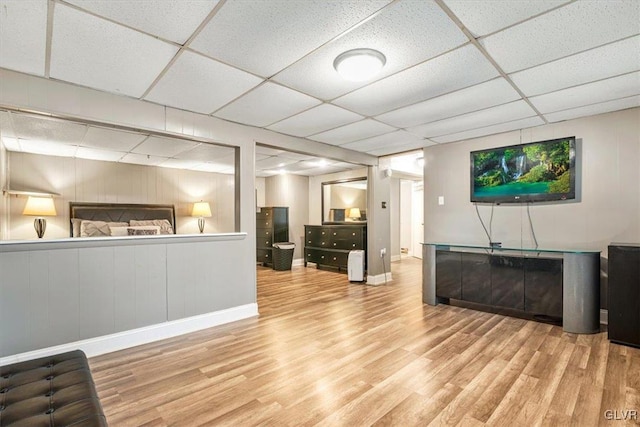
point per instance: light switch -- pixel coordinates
(441, 200)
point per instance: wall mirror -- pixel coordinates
(344, 201)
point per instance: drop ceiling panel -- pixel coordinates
(303, 166)
(267, 151)
(590, 110)
(491, 130)
(490, 116)
(179, 164)
(165, 147)
(95, 154)
(592, 93)
(47, 147)
(93, 52)
(200, 84)
(318, 119)
(473, 98)
(221, 165)
(568, 30)
(406, 32)
(266, 104)
(23, 35)
(384, 151)
(488, 16)
(455, 70)
(6, 128)
(38, 128)
(274, 162)
(264, 37)
(391, 140)
(142, 159)
(295, 156)
(607, 61)
(353, 132)
(206, 153)
(172, 20)
(111, 139)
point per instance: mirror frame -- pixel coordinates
(339, 181)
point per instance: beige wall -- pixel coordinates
(607, 211)
(260, 190)
(291, 191)
(79, 180)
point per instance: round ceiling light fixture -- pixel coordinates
(358, 65)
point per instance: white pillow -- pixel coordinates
(124, 231)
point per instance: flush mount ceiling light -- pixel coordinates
(358, 65)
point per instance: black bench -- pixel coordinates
(51, 391)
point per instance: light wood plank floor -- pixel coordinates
(327, 352)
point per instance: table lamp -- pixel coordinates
(354, 214)
(201, 210)
(39, 207)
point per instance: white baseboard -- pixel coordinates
(379, 279)
(395, 258)
(134, 337)
(604, 317)
(297, 262)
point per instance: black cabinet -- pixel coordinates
(449, 274)
(624, 294)
(531, 285)
(329, 245)
(272, 226)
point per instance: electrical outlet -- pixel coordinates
(383, 252)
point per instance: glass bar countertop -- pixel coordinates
(512, 247)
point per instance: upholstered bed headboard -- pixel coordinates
(120, 212)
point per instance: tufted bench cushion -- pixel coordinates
(51, 391)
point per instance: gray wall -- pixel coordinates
(344, 197)
(291, 191)
(608, 209)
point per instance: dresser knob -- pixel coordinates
(334, 234)
(266, 255)
(334, 244)
(322, 257)
(323, 232)
(354, 245)
(353, 234)
(334, 258)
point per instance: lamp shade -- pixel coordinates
(354, 213)
(39, 206)
(201, 209)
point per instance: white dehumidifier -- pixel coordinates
(355, 266)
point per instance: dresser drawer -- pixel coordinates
(264, 214)
(336, 259)
(264, 233)
(264, 242)
(264, 222)
(313, 255)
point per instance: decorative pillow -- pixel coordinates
(119, 231)
(98, 228)
(142, 231)
(75, 227)
(165, 225)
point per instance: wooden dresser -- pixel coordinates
(329, 245)
(272, 226)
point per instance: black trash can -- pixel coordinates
(283, 255)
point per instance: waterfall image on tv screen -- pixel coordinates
(537, 171)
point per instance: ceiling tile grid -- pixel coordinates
(173, 20)
(318, 119)
(488, 16)
(267, 104)
(455, 70)
(399, 32)
(578, 26)
(489, 116)
(23, 28)
(200, 84)
(94, 52)
(353, 132)
(264, 37)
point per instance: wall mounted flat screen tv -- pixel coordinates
(533, 172)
